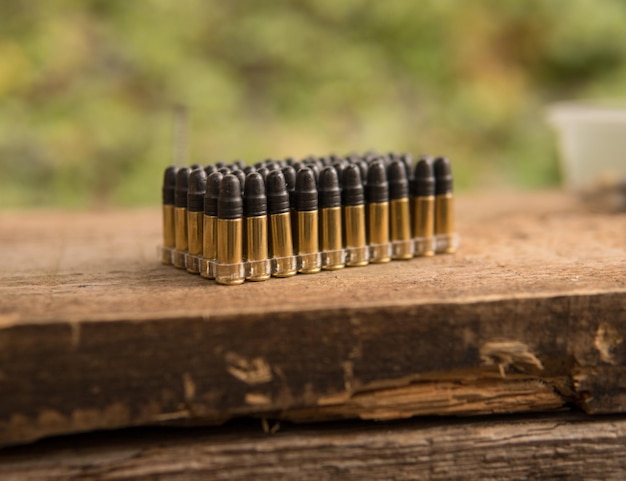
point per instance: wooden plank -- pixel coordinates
(538, 448)
(529, 315)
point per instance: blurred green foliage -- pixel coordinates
(87, 86)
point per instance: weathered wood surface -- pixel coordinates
(537, 448)
(530, 314)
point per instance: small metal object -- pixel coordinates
(229, 268)
(259, 267)
(399, 211)
(445, 235)
(281, 241)
(377, 195)
(308, 222)
(180, 217)
(423, 203)
(209, 228)
(169, 226)
(195, 213)
(333, 256)
(357, 253)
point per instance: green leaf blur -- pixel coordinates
(87, 86)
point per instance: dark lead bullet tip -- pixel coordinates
(424, 178)
(377, 189)
(290, 180)
(224, 170)
(290, 177)
(209, 169)
(197, 188)
(240, 175)
(329, 191)
(306, 190)
(182, 184)
(315, 168)
(212, 193)
(272, 165)
(264, 171)
(407, 158)
(398, 182)
(352, 186)
(339, 168)
(169, 185)
(249, 169)
(195, 166)
(443, 176)
(277, 195)
(255, 200)
(229, 202)
(364, 167)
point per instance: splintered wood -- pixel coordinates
(529, 315)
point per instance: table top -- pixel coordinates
(529, 314)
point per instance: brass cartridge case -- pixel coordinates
(181, 239)
(331, 239)
(444, 224)
(259, 266)
(229, 264)
(424, 225)
(209, 246)
(378, 231)
(357, 253)
(194, 241)
(308, 242)
(169, 234)
(400, 229)
(283, 260)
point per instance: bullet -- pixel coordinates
(209, 237)
(195, 214)
(281, 244)
(290, 181)
(169, 226)
(209, 169)
(240, 175)
(180, 217)
(229, 267)
(264, 171)
(377, 217)
(315, 169)
(363, 167)
(407, 160)
(310, 260)
(259, 267)
(357, 253)
(339, 168)
(399, 211)
(423, 206)
(445, 236)
(289, 173)
(330, 220)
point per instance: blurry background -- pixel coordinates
(87, 87)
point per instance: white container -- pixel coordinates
(592, 144)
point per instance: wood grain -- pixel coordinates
(519, 448)
(529, 315)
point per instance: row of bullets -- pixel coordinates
(234, 223)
